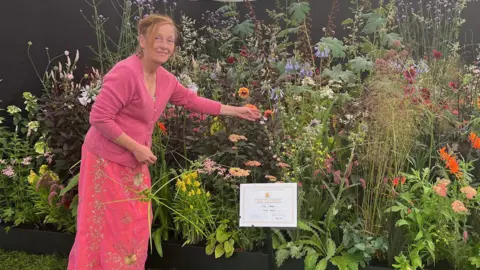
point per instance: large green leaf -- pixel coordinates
(359, 64)
(322, 265)
(157, 239)
(299, 11)
(210, 249)
(311, 261)
(388, 39)
(219, 251)
(338, 74)
(71, 184)
(374, 22)
(228, 245)
(244, 28)
(336, 47)
(331, 248)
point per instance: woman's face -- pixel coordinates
(160, 44)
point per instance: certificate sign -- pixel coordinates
(268, 205)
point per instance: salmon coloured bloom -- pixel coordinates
(459, 207)
(469, 192)
(253, 163)
(235, 138)
(239, 172)
(440, 189)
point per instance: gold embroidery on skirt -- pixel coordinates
(129, 260)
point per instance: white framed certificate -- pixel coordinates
(268, 205)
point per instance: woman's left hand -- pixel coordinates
(247, 113)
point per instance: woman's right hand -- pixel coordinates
(144, 155)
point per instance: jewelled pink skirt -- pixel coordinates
(112, 224)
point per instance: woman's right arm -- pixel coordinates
(117, 91)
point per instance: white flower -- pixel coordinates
(193, 87)
(33, 125)
(326, 92)
(308, 81)
(67, 53)
(13, 109)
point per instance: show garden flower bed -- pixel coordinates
(379, 129)
(174, 257)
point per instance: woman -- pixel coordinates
(112, 224)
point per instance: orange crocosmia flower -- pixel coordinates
(474, 140)
(472, 137)
(162, 127)
(404, 179)
(453, 165)
(243, 92)
(443, 153)
(267, 113)
(251, 106)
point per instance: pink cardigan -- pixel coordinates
(124, 105)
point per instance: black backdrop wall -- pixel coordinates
(59, 25)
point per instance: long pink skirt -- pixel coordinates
(112, 225)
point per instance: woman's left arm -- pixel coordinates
(191, 101)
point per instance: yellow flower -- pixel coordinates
(184, 189)
(208, 194)
(216, 126)
(43, 169)
(196, 184)
(32, 178)
(180, 183)
(189, 182)
(191, 193)
(54, 176)
(199, 191)
(194, 175)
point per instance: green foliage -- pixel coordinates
(359, 64)
(374, 23)
(337, 73)
(336, 46)
(244, 29)
(299, 10)
(222, 241)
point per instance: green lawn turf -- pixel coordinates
(15, 260)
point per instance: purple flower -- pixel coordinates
(289, 66)
(322, 53)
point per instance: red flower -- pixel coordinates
(243, 52)
(453, 85)
(231, 60)
(162, 127)
(437, 54)
(267, 113)
(395, 182)
(410, 75)
(425, 94)
(408, 90)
